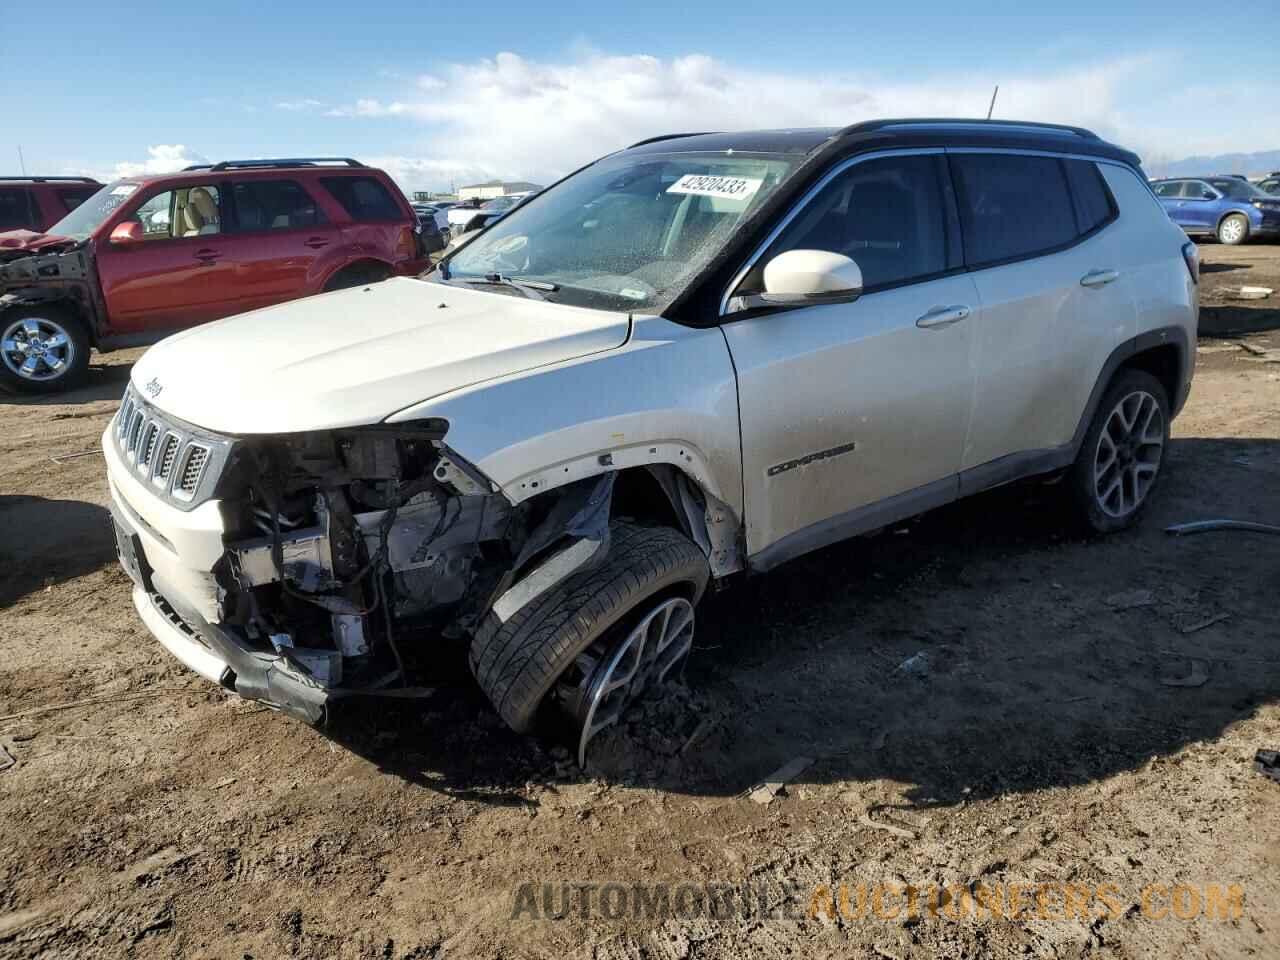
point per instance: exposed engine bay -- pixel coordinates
(346, 550)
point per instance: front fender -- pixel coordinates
(668, 395)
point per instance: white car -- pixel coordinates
(488, 211)
(700, 356)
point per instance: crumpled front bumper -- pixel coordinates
(169, 554)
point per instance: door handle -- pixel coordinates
(207, 255)
(942, 317)
(315, 243)
(1098, 278)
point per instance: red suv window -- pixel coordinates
(16, 211)
(275, 205)
(72, 197)
(364, 198)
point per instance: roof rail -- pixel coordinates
(51, 179)
(866, 126)
(269, 163)
(669, 136)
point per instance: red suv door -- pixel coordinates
(181, 273)
(287, 245)
(381, 226)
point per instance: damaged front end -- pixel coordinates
(344, 554)
(54, 270)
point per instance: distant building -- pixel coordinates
(495, 188)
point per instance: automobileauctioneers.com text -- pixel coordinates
(885, 901)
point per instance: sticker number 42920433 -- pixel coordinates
(729, 188)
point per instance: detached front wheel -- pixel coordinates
(602, 638)
(42, 350)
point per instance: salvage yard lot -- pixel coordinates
(1077, 711)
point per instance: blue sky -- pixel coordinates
(446, 93)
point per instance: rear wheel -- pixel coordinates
(1120, 460)
(357, 275)
(43, 349)
(599, 640)
(1234, 229)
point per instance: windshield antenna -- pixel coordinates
(993, 101)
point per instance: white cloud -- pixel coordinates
(162, 158)
(299, 105)
(514, 117)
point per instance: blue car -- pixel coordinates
(1229, 208)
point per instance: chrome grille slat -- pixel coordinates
(181, 463)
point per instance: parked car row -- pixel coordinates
(142, 257)
(37, 203)
(467, 218)
(702, 355)
(1227, 207)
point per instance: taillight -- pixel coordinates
(408, 246)
(1191, 257)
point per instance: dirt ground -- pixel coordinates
(1079, 715)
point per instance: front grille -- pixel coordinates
(180, 461)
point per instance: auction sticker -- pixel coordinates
(729, 188)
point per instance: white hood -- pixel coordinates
(357, 356)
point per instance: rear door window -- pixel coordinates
(1012, 206)
(275, 205)
(1195, 190)
(1094, 204)
(364, 198)
(15, 209)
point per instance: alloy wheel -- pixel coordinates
(1128, 454)
(37, 349)
(608, 677)
(1233, 230)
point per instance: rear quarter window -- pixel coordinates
(1012, 206)
(1094, 204)
(364, 198)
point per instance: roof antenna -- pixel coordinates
(21, 162)
(993, 101)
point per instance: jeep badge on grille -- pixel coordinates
(153, 387)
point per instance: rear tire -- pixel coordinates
(516, 663)
(1234, 229)
(1121, 458)
(43, 349)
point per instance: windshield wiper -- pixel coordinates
(530, 288)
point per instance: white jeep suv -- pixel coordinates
(702, 355)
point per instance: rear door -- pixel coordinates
(380, 227)
(285, 242)
(844, 406)
(181, 274)
(1169, 193)
(1201, 205)
(1052, 299)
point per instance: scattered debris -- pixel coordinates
(700, 731)
(916, 666)
(906, 834)
(1267, 763)
(1204, 526)
(7, 759)
(1198, 676)
(1246, 293)
(1129, 599)
(1202, 624)
(224, 782)
(75, 456)
(775, 782)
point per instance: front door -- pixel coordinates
(854, 414)
(1200, 207)
(182, 272)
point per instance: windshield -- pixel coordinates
(86, 218)
(1237, 189)
(628, 232)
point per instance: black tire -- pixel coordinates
(1099, 514)
(517, 662)
(74, 356)
(1233, 229)
(358, 275)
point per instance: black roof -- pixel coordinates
(880, 134)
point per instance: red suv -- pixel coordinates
(37, 203)
(145, 256)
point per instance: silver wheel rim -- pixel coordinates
(607, 678)
(1232, 229)
(37, 349)
(1128, 454)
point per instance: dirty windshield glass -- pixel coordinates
(627, 233)
(87, 217)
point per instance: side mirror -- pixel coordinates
(126, 234)
(800, 277)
